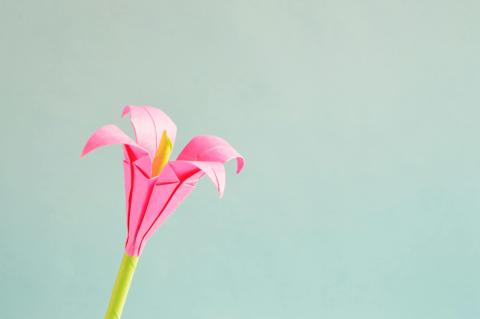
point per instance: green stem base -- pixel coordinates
(122, 284)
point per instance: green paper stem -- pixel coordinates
(122, 284)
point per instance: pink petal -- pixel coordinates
(209, 148)
(149, 123)
(215, 171)
(108, 135)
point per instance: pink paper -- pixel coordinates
(151, 200)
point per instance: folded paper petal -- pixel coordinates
(209, 148)
(149, 124)
(214, 170)
(111, 134)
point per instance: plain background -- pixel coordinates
(359, 121)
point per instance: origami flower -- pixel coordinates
(155, 186)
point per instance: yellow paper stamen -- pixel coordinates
(162, 155)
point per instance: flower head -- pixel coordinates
(154, 185)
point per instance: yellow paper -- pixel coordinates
(162, 155)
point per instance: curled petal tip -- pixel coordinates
(125, 110)
(107, 135)
(87, 148)
(240, 163)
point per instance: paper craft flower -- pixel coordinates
(155, 186)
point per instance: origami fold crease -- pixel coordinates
(151, 199)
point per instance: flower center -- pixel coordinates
(162, 154)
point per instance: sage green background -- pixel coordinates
(359, 121)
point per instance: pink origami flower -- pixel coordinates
(154, 186)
